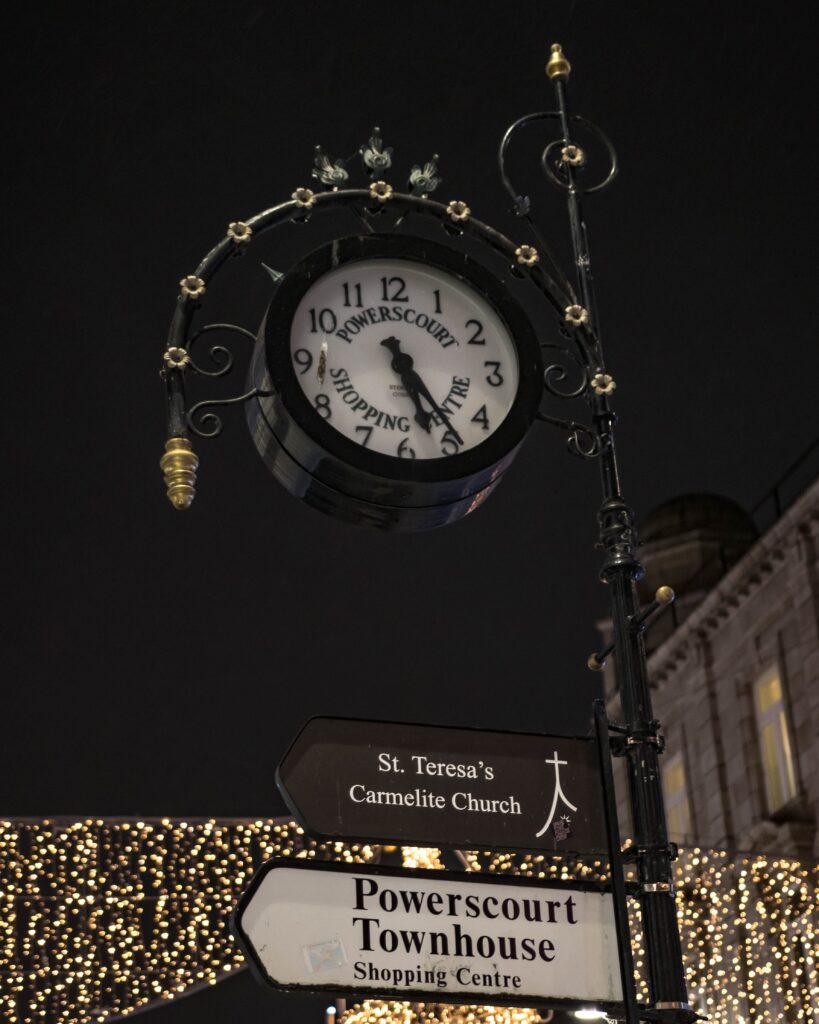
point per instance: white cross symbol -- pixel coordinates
(558, 793)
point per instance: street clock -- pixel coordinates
(396, 378)
(400, 362)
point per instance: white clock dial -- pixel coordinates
(403, 358)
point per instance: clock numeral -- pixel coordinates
(476, 338)
(325, 321)
(494, 378)
(399, 286)
(437, 295)
(303, 358)
(323, 407)
(368, 431)
(449, 443)
(357, 290)
(404, 450)
(481, 417)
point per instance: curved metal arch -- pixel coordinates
(367, 207)
(558, 294)
(538, 267)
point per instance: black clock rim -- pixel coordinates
(354, 249)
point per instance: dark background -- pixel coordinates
(159, 662)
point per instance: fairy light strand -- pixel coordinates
(99, 919)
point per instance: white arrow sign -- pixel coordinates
(430, 934)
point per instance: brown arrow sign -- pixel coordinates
(438, 786)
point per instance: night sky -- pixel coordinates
(158, 662)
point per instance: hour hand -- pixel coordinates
(401, 362)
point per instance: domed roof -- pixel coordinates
(708, 513)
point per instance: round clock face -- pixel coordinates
(396, 378)
(404, 359)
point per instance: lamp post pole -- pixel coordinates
(641, 743)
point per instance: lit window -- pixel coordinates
(677, 810)
(775, 741)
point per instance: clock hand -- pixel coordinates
(403, 364)
(422, 417)
(437, 409)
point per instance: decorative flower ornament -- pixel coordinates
(193, 287)
(424, 180)
(381, 191)
(239, 232)
(458, 210)
(377, 158)
(603, 384)
(329, 173)
(176, 358)
(576, 315)
(572, 155)
(304, 197)
(527, 255)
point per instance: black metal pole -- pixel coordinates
(618, 883)
(620, 570)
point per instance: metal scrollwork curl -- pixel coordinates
(210, 423)
(221, 356)
(560, 179)
(583, 442)
(556, 373)
(522, 204)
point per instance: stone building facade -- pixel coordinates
(735, 674)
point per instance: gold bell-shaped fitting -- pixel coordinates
(179, 464)
(558, 66)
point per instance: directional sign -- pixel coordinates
(430, 935)
(426, 784)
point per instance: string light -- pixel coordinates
(99, 919)
(378, 1012)
(420, 857)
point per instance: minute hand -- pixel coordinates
(424, 390)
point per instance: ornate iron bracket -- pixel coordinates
(376, 206)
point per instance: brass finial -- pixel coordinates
(558, 66)
(179, 464)
(664, 595)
